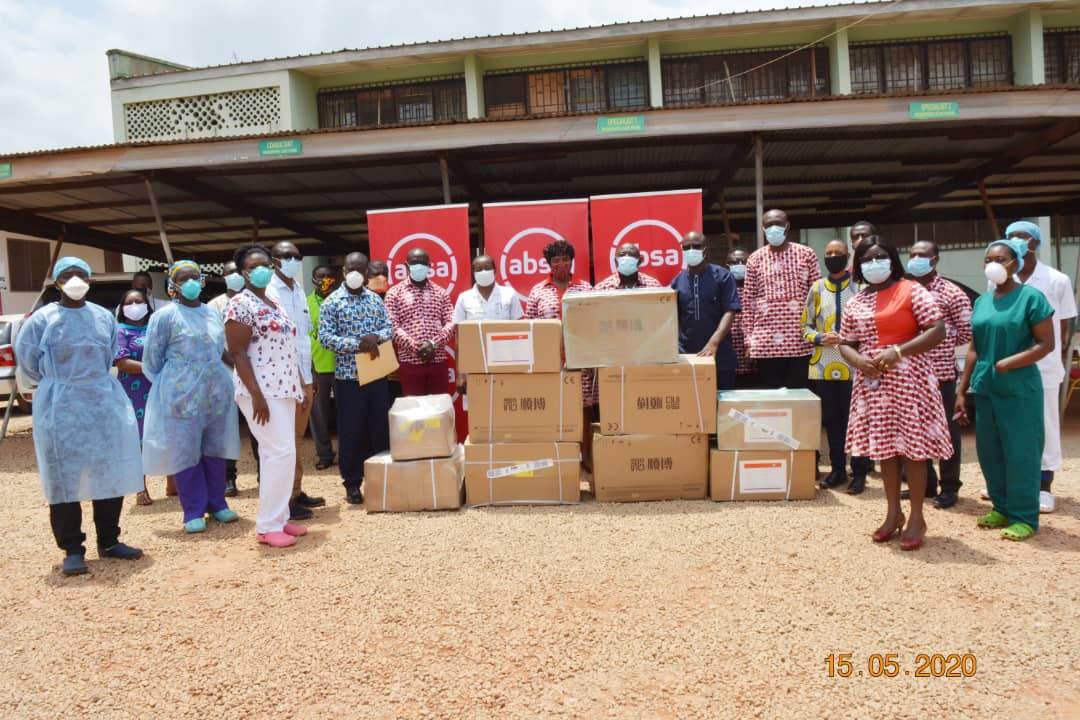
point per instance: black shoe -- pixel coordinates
(905, 494)
(120, 551)
(834, 479)
(946, 499)
(856, 486)
(230, 488)
(310, 502)
(353, 496)
(299, 512)
(75, 565)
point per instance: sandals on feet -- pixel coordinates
(143, 498)
(1018, 531)
(992, 519)
(881, 535)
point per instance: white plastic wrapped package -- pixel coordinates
(422, 427)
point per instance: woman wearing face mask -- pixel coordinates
(132, 315)
(85, 433)
(191, 422)
(1013, 329)
(830, 376)
(896, 411)
(486, 299)
(262, 342)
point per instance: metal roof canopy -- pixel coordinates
(827, 162)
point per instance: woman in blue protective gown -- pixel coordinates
(85, 434)
(190, 428)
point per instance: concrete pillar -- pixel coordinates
(1046, 247)
(1027, 48)
(656, 78)
(474, 87)
(839, 64)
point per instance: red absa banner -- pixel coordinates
(516, 233)
(655, 222)
(442, 231)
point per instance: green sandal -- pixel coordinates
(1018, 531)
(992, 519)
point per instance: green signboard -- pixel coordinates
(274, 148)
(5, 170)
(934, 110)
(620, 124)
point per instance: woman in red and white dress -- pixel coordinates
(896, 411)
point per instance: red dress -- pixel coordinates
(545, 302)
(900, 413)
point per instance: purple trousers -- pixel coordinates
(202, 488)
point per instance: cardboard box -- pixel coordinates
(768, 420)
(525, 408)
(679, 398)
(397, 486)
(422, 427)
(762, 475)
(509, 346)
(630, 468)
(629, 327)
(545, 473)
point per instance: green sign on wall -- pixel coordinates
(274, 148)
(620, 124)
(5, 170)
(934, 110)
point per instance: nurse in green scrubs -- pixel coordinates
(1013, 328)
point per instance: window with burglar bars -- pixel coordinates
(946, 64)
(555, 91)
(417, 102)
(1061, 55)
(745, 76)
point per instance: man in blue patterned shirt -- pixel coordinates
(354, 320)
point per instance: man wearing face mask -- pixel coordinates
(627, 276)
(288, 291)
(745, 368)
(708, 301)
(378, 277)
(956, 312)
(234, 283)
(486, 300)
(325, 280)
(354, 320)
(423, 324)
(778, 278)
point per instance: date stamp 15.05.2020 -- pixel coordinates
(890, 665)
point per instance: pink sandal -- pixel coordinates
(294, 530)
(276, 539)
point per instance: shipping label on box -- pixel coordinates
(629, 468)
(762, 475)
(543, 473)
(679, 398)
(421, 427)
(509, 346)
(526, 407)
(768, 420)
(628, 327)
(413, 485)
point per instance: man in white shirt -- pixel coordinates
(486, 300)
(1058, 290)
(288, 290)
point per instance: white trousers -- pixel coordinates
(1051, 456)
(277, 460)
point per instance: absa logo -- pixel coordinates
(444, 267)
(522, 264)
(656, 252)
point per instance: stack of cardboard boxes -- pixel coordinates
(525, 414)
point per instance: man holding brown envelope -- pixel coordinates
(354, 320)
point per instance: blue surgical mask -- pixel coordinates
(775, 235)
(260, 276)
(234, 281)
(418, 272)
(693, 256)
(876, 271)
(190, 289)
(738, 272)
(919, 266)
(627, 264)
(291, 267)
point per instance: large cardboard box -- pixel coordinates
(543, 473)
(629, 327)
(422, 426)
(630, 468)
(678, 398)
(411, 485)
(525, 408)
(768, 420)
(762, 475)
(509, 346)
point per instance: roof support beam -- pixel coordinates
(738, 156)
(26, 223)
(455, 165)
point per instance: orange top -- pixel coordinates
(894, 315)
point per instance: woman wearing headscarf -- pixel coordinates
(85, 434)
(132, 317)
(1013, 329)
(191, 422)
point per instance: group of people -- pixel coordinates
(875, 339)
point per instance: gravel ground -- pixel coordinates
(655, 610)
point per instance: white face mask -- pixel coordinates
(136, 311)
(291, 267)
(75, 288)
(996, 273)
(484, 278)
(354, 280)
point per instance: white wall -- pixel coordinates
(21, 302)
